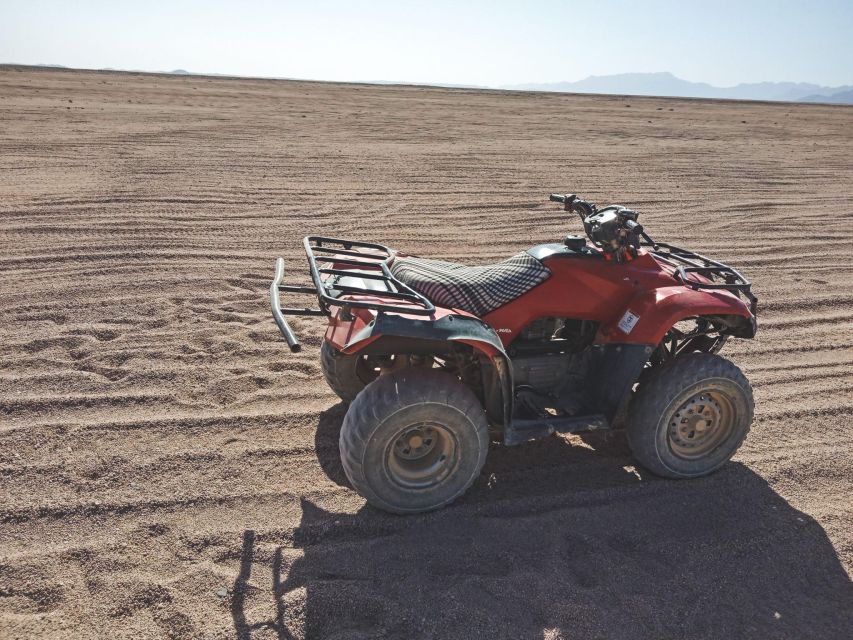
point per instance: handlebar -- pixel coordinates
(614, 229)
(634, 227)
(574, 204)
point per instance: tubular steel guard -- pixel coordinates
(277, 314)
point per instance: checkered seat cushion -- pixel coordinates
(475, 289)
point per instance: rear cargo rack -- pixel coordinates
(349, 274)
(719, 275)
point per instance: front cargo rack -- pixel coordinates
(350, 274)
(717, 274)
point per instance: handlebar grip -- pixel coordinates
(556, 197)
(633, 227)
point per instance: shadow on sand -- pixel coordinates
(560, 540)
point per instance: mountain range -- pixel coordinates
(666, 84)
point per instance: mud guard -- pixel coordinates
(391, 333)
(651, 314)
(615, 369)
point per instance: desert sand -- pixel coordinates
(169, 469)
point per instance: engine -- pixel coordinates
(543, 373)
(550, 362)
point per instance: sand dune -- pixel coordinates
(169, 469)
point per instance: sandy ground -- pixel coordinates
(169, 469)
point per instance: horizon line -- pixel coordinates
(178, 72)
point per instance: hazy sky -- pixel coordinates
(476, 42)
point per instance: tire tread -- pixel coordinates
(389, 394)
(663, 386)
(339, 370)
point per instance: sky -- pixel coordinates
(476, 42)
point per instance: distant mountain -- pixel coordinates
(842, 97)
(180, 72)
(666, 84)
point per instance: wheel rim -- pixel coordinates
(700, 424)
(421, 455)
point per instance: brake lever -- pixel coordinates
(646, 237)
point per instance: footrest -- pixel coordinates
(525, 430)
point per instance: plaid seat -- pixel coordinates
(478, 290)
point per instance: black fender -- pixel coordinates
(390, 334)
(615, 369)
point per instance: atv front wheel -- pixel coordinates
(414, 440)
(691, 416)
(345, 374)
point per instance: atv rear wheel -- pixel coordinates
(691, 416)
(414, 440)
(346, 374)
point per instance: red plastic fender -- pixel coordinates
(347, 335)
(340, 331)
(651, 314)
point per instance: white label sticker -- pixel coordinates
(628, 321)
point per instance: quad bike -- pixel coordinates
(611, 330)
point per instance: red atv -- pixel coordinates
(612, 330)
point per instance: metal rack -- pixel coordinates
(686, 262)
(357, 276)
